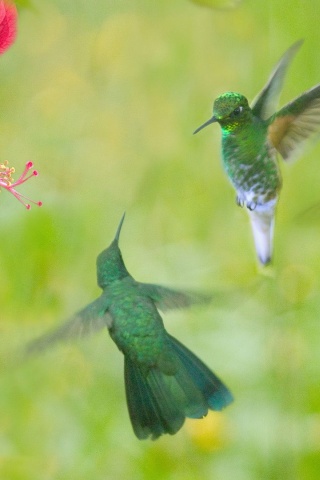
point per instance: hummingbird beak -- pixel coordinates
(208, 122)
(116, 238)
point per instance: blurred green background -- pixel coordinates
(103, 97)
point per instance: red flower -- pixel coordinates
(8, 24)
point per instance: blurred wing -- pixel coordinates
(167, 299)
(266, 102)
(296, 124)
(86, 322)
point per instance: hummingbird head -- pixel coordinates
(230, 110)
(110, 265)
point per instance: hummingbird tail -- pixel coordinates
(262, 222)
(159, 402)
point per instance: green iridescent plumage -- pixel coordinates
(252, 137)
(165, 382)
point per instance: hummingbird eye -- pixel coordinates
(237, 111)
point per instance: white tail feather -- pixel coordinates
(262, 222)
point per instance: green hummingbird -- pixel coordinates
(164, 381)
(252, 136)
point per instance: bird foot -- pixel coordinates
(251, 205)
(240, 201)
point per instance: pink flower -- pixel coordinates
(7, 182)
(8, 24)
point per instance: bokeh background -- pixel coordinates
(103, 97)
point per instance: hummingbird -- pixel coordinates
(164, 381)
(252, 137)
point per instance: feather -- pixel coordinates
(262, 223)
(168, 299)
(296, 124)
(215, 393)
(144, 412)
(266, 102)
(159, 403)
(86, 322)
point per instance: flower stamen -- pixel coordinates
(7, 182)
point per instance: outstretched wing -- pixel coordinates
(266, 102)
(296, 124)
(86, 322)
(168, 299)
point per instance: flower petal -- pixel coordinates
(8, 25)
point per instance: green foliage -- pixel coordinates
(104, 96)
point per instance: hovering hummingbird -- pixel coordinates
(251, 138)
(164, 381)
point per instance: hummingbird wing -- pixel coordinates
(295, 124)
(86, 322)
(266, 102)
(167, 299)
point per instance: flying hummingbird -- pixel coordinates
(164, 381)
(251, 138)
